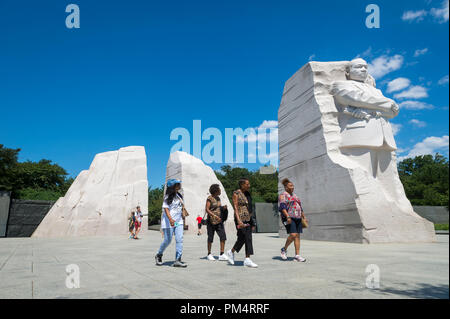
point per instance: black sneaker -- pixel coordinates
(179, 263)
(158, 259)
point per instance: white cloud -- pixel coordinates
(430, 145)
(441, 14)
(366, 53)
(415, 105)
(398, 84)
(268, 124)
(443, 80)
(438, 14)
(396, 128)
(414, 92)
(411, 16)
(269, 133)
(418, 53)
(417, 123)
(266, 132)
(384, 65)
(311, 57)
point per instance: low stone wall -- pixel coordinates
(4, 211)
(266, 217)
(25, 216)
(435, 214)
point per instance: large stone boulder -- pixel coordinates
(348, 182)
(196, 178)
(100, 199)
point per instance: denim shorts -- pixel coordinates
(295, 227)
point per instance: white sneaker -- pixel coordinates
(284, 254)
(230, 256)
(249, 263)
(299, 258)
(210, 257)
(223, 257)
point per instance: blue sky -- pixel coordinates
(135, 70)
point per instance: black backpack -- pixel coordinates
(223, 213)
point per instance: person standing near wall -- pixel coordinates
(172, 222)
(292, 213)
(214, 222)
(245, 223)
(138, 222)
(131, 224)
(199, 225)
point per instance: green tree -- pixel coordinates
(425, 179)
(8, 162)
(155, 200)
(264, 187)
(41, 180)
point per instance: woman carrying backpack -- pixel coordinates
(214, 221)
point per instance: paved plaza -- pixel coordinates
(116, 267)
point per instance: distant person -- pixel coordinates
(245, 223)
(291, 210)
(199, 224)
(214, 222)
(138, 222)
(172, 222)
(131, 223)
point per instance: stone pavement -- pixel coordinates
(115, 267)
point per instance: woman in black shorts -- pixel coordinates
(291, 215)
(214, 222)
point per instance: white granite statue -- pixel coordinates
(196, 178)
(336, 144)
(100, 199)
(364, 119)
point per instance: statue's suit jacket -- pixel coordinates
(372, 133)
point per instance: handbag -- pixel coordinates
(303, 220)
(304, 223)
(223, 213)
(204, 221)
(184, 211)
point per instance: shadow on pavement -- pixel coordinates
(236, 263)
(420, 291)
(280, 259)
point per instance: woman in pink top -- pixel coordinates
(291, 210)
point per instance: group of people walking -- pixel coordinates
(172, 222)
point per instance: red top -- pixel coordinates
(199, 219)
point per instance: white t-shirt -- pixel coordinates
(139, 216)
(175, 210)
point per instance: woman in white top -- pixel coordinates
(172, 222)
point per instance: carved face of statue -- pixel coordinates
(358, 70)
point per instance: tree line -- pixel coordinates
(42, 180)
(425, 179)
